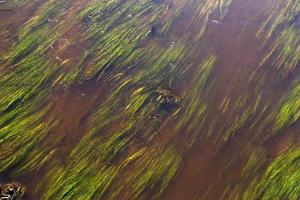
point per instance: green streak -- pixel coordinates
(289, 111)
(280, 181)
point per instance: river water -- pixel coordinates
(242, 96)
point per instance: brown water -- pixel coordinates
(203, 175)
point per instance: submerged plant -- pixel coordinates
(151, 75)
(290, 109)
(194, 107)
(280, 181)
(282, 24)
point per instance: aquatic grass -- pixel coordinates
(29, 79)
(139, 100)
(289, 111)
(84, 158)
(34, 34)
(35, 160)
(117, 155)
(283, 52)
(283, 14)
(162, 166)
(31, 66)
(281, 180)
(256, 160)
(25, 83)
(194, 107)
(290, 54)
(209, 10)
(116, 42)
(160, 63)
(254, 163)
(82, 163)
(22, 127)
(206, 8)
(112, 108)
(288, 47)
(47, 13)
(128, 104)
(154, 171)
(19, 137)
(249, 111)
(237, 124)
(115, 13)
(18, 3)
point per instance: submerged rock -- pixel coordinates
(153, 31)
(168, 100)
(12, 191)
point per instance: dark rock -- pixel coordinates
(167, 100)
(153, 31)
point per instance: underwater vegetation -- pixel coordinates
(123, 99)
(195, 108)
(280, 180)
(284, 51)
(290, 110)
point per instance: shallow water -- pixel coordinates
(97, 130)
